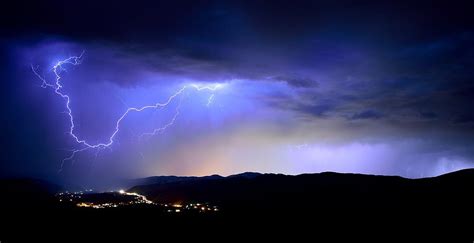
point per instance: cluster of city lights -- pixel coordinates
(190, 207)
(80, 199)
(71, 196)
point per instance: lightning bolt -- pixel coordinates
(57, 86)
(209, 101)
(170, 123)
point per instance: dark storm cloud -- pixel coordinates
(381, 62)
(297, 82)
(367, 114)
(428, 114)
(464, 118)
(397, 57)
(317, 110)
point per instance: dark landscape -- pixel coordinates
(248, 203)
(255, 194)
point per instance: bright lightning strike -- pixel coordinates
(57, 86)
(209, 101)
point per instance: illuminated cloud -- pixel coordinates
(309, 87)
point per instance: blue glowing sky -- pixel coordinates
(306, 87)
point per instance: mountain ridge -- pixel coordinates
(332, 191)
(163, 179)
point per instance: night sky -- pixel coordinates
(372, 87)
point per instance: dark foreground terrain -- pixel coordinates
(318, 193)
(268, 204)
